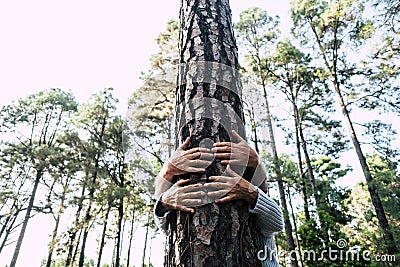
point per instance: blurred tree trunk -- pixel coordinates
(302, 175)
(75, 228)
(128, 257)
(278, 174)
(57, 222)
(27, 217)
(145, 240)
(103, 235)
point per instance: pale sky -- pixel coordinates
(84, 46)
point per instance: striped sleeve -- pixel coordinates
(269, 214)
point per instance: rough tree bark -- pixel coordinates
(209, 106)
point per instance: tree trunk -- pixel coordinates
(308, 164)
(86, 228)
(145, 240)
(130, 241)
(119, 231)
(103, 235)
(314, 188)
(372, 188)
(74, 230)
(27, 217)
(9, 230)
(209, 106)
(300, 160)
(92, 189)
(76, 248)
(295, 224)
(55, 230)
(288, 226)
(254, 129)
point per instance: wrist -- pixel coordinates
(161, 208)
(252, 196)
(166, 172)
(254, 161)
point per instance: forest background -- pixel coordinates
(93, 205)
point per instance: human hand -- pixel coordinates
(236, 153)
(183, 161)
(183, 196)
(231, 187)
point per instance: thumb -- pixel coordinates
(237, 137)
(184, 144)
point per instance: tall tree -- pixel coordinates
(94, 118)
(209, 106)
(334, 24)
(64, 176)
(258, 32)
(36, 121)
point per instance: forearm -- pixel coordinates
(163, 182)
(268, 213)
(252, 198)
(258, 177)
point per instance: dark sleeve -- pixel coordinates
(160, 216)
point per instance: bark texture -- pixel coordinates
(209, 106)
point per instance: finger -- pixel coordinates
(217, 186)
(215, 195)
(196, 170)
(219, 144)
(223, 155)
(189, 202)
(182, 182)
(237, 137)
(221, 149)
(192, 188)
(194, 196)
(185, 209)
(207, 156)
(225, 199)
(197, 149)
(220, 178)
(235, 162)
(215, 178)
(184, 144)
(199, 154)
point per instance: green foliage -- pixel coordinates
(75, 143)
(256, 28)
